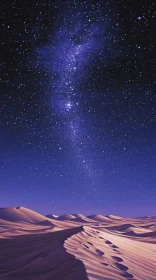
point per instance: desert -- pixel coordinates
(73, 246)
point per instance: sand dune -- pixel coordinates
(100, 218)
(123, 227)
(114, 217)
(81, 218)
(66, 217)
(13, 214)
(21, 214)
(50, 216)
(75, 247)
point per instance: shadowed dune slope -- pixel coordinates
(40, 257)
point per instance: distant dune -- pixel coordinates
(114, 217)
(50, 216)
(75, 247)
(82, 218)
(21, 214)
(66, 217)
(14, 214)
(100, 218)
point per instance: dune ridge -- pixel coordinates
(106, 256)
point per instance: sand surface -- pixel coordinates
(72, 246)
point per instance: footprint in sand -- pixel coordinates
(100, 253)
(121, 266)
(114, 246)
(128, 275)
(106, 264)
(90, 243)
(117, 259)
(108, 242)
(86, 246)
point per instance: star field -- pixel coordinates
(78, 106)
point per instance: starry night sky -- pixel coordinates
(78, 106)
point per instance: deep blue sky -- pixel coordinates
(78, 106)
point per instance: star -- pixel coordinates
(69, 106)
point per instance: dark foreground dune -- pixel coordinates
(40, 256)
(75, 247)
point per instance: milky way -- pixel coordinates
(79, 42)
